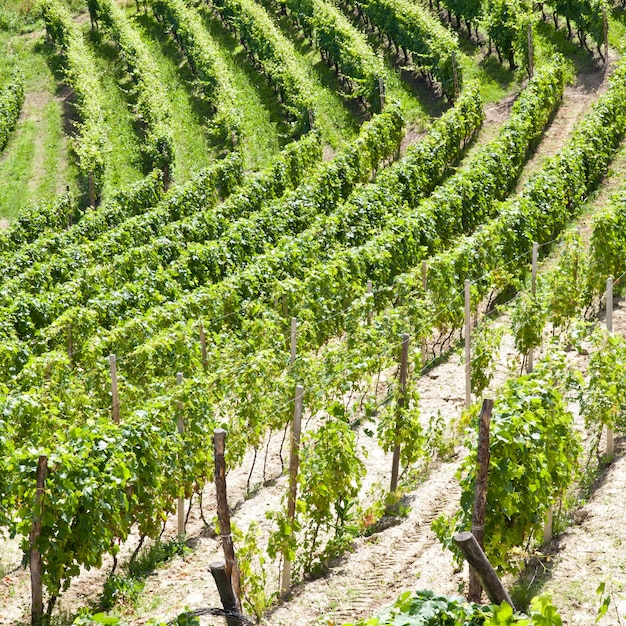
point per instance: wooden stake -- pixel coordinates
(70, 345)
(404, 372)
(468, 349)
(424, 286)
(533, 290)
(294, 340)
(381, 92)
(223, 514)
(480, 492)
(610, 444)
(547, 529)
(480, 564)
(36, 564)
(531, 51)
(205, 363)
(181, 429)
(370, 291)
(115, 399)
(92, 191)
(229, 601)
(455, 75)
(294, 463)
(606, 36)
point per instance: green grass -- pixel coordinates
(192, 149)
(124, 164)
(35, 162)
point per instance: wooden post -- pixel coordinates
(531, 51)
(606, 35)
(294, 463)
(294, 340)
(36, 565)
(547, 529)
(424, 286)
(115, 398)
(533, 290)
(480, 492)
(468, 349)
(477, 560)
(455, 75)
(225, 589)
(180, 427)
(381, 91)
(404, 371)
(370, 291)
(223, 514)
(610, 444)
(70, 345)
(92, 191)
(205, 363)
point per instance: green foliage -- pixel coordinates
(81, 75)
(485, 340)
(528, 321)
(534, 451)
(11, 101)
(424, 608)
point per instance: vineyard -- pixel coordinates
(265, 265)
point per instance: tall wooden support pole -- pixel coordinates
(531, 51)
(610, 445)
(424, 286)
(480, 492)
(180, 427)
(115, 397)
(370, 292)
(223, 514)
(381, 90)
(36, 565)
(455, 75)
(404, 372)
(294, 340)
(533, 289)
(606, 35)
(205, 362)
(294, 463)
(477, 560)
(468, 348)
(547, 529)
(92, 191)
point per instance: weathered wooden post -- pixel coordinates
(480, 491)
(180, 427)
(468, 348)
(294, 463)
(115, 398)
(36, 565)
(610, 445)
(404, 371)
(533, 290)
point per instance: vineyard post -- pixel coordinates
(36, 565)
(294, 462)
(424, 285)
(381, 91)
(547, 529)
(468, 349)
(370, 291)
(404, 371)
(606, 35)
(294, 340)
(480, 492)
(205, 363)
(70, 345)
(531, 51)
(610, 448)
(115, 398)
(455, 75)
(92, 191)
(225, 589)
(223, 515)
(533, 290)
(180, 427)
(479, 562)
